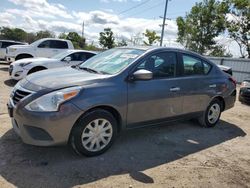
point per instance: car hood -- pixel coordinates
(20, 46)
(33, 60)
(60, 78)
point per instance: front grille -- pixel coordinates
(10, 69)
(19, 95)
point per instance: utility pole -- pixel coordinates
(82, 29)
(164, 21)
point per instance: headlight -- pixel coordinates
(12, 49)
(52, 101)
(24, 64)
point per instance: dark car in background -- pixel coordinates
(244, 95)
(6, 43)
(122, 88)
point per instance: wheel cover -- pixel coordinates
(214, 113)
(97, 135)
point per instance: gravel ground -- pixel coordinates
(176, 155)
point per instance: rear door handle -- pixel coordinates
(174, 89)
(212, 85)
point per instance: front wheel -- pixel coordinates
(212, 114)
(94, 133)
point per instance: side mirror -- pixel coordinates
(141, 74)
(67, 59)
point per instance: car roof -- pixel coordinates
(155, 48)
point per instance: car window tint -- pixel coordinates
(79, 56)
(44, 44)
(161, 65)
(58, 44)
(89, 55)
(6, 44)
(192, 66)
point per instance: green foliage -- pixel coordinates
(107, 39)
(122, 43)
(198, 30)
(152, 37)
(75, 38)
(238, 24)
(21, 35)
(12, 34)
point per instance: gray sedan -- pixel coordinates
(122, 88)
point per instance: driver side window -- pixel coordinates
(44, 44)
(162, 65)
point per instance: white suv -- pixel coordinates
(46, 47)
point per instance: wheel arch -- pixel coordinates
(38, 67)
(24, 54)
(221, 99)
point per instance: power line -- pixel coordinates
(144, 10)
(131, 8)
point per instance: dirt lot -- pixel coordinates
(176, 155)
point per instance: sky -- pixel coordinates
(127, 18)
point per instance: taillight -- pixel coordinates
(233, 81)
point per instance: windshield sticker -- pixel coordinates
(128, 56)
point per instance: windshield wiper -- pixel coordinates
(91, 70)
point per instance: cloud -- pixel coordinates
(42, 8)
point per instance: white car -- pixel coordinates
(6, 43)
(46, 47)
(21, 68)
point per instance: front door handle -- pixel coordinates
(174, 89)
(212, 85)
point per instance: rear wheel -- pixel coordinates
(212, 114)
(93, 133)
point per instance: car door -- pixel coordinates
(2, 50)
(159, 97)
(44, 49)
(194, 83)
(58, 46)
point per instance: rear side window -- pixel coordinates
(89, 55)
(194, 66)
(59, 44)
(79, 56)
(6, 44)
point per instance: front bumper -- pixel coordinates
(9, 59)
(44, 128)
(17, 73)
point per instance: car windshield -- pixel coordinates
(61, 55)
(112, 61)
(36, 42)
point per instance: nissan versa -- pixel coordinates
(122, 88)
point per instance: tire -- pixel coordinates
(85, 135)
(212, 114)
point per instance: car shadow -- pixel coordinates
(133, 152)
(10, 82)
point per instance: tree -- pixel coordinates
(13, 34)
(238, 25)
(44, 34)
(107, 39)
(152, 37)
(198, 30)
(75, 38)
(122, 43)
